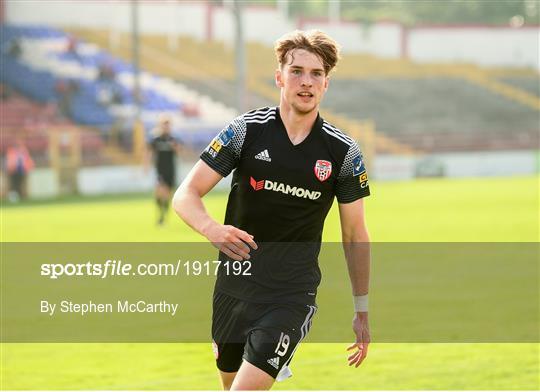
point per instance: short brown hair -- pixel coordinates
(314, 41)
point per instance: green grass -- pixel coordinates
(494, 210)
(315, 366)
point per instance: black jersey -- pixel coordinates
(164, 148)
(281, 193)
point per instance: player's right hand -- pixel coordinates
(232, 241)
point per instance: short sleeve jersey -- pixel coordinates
(163, 147)
(281, 193)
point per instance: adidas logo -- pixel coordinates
(264, 156)
(274, 362)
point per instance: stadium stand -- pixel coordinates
(529, 83)
(416, 107)
(33, 122)
(94, 88)
(437, 114)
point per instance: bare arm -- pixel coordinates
(355, 239)
(178, 147)
(357, 253)
(147, 158)
(187, 202)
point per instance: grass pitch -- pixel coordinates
(491, 210)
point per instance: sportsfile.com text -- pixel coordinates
(119, 268)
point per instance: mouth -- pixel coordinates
(305, 94)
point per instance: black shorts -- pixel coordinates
(16, 181)
(265, 335)
(167, 178)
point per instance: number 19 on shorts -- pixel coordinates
(283, 345)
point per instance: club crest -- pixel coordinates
(323, 170)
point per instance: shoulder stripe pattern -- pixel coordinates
(333, 131)
(239, 126)
(347, 166)
(260, 116)
(223, 152)
(260, 111)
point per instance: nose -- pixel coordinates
(306, 80)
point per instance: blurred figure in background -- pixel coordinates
(109, 91)
(72, 48)
(163, 149)
(18, 164)
(106, 72)
(14, 48)
(65, 91)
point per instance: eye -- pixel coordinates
(317, 74)
(296, 72)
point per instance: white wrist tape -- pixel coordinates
(360, 303)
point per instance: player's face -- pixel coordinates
(302, 80)
(166, 127)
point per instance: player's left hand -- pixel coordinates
(361, 330)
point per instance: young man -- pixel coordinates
(163, 149)
(289, 164)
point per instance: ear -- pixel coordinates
(326, 83)
(279, 78)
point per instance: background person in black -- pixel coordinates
(163, 149)
(288, 165)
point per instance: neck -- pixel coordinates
(297, 125)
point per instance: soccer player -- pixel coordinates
(289, 164)
(163, 148)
